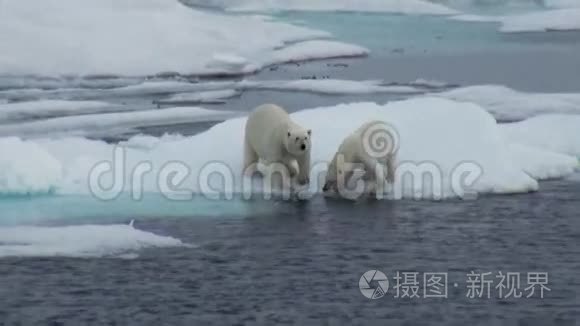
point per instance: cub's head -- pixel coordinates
(297, 141)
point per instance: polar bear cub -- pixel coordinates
(272, 137)
(371, 148)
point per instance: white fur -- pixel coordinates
(351, 156)
(272, 137)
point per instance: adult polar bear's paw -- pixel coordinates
(273, 138)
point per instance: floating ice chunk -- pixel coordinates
(477, 18)
(311, 50)
(538, 21)
(410, 7)
(333, 86)
(27, 168)
(554, 132)
(47, 108)
(217, 96)
(233, 63)
(81, 125)
(116, 240)
(559, 19)
(508, 104)
(167, 87)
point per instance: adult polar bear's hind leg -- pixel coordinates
(272, 137)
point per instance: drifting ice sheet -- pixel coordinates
(464, 133)
(47, 108)
(142, 37)
(540, 21)
(508, 104)
(79, 125)
(411, 7)
(79, 241)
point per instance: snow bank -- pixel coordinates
(537, 21)
(79, 241)
(136, 38)
(81, 124)
(27, 168)
(508, 104)
(47, 108)
(554, 132)
(411, 7)
(448, 136)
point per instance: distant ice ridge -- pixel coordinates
(145, 37)
(538, 21)
(508, 104)
(121, 241)
(447, 134)
(410, 7)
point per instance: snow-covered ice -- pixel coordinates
(145, 37)
(447, 134)
(417, 7)
(508, 104)
(554, 132)
(83, 124)
(114, 240)
(27, 168)
(47, 108)
(332, 86)
(537, 21)
(217, 96)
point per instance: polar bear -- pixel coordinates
(272, 137)
(371, 148)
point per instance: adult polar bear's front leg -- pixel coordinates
(303, 176)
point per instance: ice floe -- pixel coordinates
(208, 97)
(84, 124)
(411, 7)
(47, 108)
(441, 133)
(137, 38)
(508, 104)
(537, 21)
(80, 241)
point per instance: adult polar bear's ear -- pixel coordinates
(309, 132)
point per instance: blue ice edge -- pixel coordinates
(49, 208)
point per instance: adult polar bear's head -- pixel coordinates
(297, 140)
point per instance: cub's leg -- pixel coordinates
(250, 157)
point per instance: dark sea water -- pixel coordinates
(299, 263)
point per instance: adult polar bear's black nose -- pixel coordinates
(303, 147)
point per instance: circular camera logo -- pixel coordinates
(373, 284)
